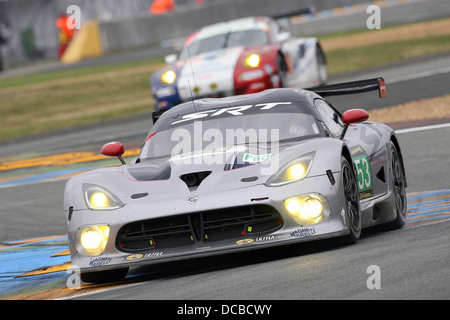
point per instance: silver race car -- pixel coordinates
(222, 175)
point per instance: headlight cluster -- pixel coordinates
(169, 77)
(252, 60)
(308, 209)
(99, 198)
(92, 240)
(295, 170)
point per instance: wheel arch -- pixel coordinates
(394, 140)
(322, 52)
(283, 57)
(347, 155)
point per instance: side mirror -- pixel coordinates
(113, 149)
(171, 58)
(354, 116)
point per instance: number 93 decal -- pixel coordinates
(364, 176)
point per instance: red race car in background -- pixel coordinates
(240, 56)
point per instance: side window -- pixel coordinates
(330, 117)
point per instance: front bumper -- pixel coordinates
(290, 231)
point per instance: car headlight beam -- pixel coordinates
(293, 205)
(252, 60)
(311, 209)
(295, 170)
(169, 77)
(92, 240)
(99, 198)
(307, 209)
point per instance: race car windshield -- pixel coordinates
(199, 136)
(253, 37)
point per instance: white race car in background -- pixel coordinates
(237, 57)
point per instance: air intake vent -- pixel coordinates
(381, 175)
(195, 178)
(201, 227)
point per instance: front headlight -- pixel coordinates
(99, 198)
(308, 209)
(295, 170)
(92, 240)
(169, 77)
(252, 60)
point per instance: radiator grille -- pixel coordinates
(200, 227)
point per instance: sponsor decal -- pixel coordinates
(265, 238)
(234, 111)
(364, 176)
(153, 254)
(251, 75)
(134, 257)
(100, 261)
(303, 232)
(244, 241)
(254, 158)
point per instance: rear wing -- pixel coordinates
(352, 87)
(284, 19)
(304, 11)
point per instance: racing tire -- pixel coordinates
(351, 202)
(104, 276)
(398, 178)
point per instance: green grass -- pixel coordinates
(351, 59)
(51, 101)
(74, 73)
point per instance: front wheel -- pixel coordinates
(398, 178)
(351, 202)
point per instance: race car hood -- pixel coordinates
(229, 165)
(215, 160)
(213, 72)
(168, 179)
